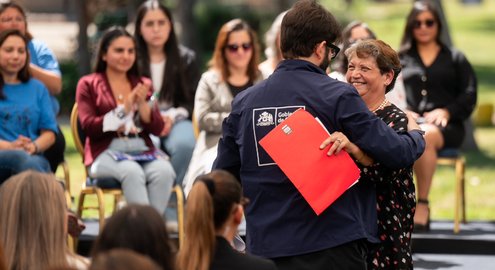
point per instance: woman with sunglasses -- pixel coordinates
(233, 68)
(214, 211)
(175, 75)
(441, 93)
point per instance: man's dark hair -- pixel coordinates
(306, 24)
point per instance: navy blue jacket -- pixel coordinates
(279, 220)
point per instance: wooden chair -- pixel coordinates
(100, 187)
(453, 157)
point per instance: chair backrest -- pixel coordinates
(77, 132)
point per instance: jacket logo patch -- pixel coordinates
(264, 120)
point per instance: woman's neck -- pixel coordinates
(156, 54)
(238, 76)
(10, 78)
(427, 47)
(374, 103)
(112, 75)
(227, 231)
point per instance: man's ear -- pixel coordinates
(238, 213)
(320, 50)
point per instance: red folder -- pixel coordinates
(294, 146)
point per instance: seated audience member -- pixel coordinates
(441, 92)
(214, 210)
(272, 51)
(117, 119)
(233, 68)
(33, 223)
(174, 71)
(27, 128)
(123, 259)
(139, 228)
(43, 67)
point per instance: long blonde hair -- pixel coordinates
(209, 205)
(32, 222)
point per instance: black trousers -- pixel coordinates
(349, 256)
(55, 153)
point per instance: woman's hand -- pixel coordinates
(169, 122)
(439, 117)
(339, 141)
(140, 93)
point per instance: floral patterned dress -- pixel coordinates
(396, 204)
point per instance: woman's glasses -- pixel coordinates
(428, 23)
(233, 48)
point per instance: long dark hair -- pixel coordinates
(7, 5)
(23, 75)
(408, 40)
(174, 86)
(139, 228)
(108, 37)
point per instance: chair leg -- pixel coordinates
(101, 208)
(460, 170)
(180, 213)
(80, 204)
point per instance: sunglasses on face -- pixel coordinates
(428, 23)
(235, 47)
(333, 50)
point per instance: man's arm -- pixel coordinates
(228, 156)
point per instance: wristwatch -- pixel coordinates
(120, 113)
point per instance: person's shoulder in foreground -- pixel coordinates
(228, 258)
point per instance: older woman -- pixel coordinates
(373, 69)
(233, 68)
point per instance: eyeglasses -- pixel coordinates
(233, 48)
(428, 23)
(334, 50)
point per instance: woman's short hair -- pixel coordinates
(386, 58)
(306, 24)
(139, 228)
(33, 215)
(219, 60)
(106, 40)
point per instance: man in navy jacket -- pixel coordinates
(280, 223)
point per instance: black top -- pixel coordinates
(234, 90)
(227, 258)
(449, 82)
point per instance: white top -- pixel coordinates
(157, 70)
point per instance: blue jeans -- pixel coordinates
(15, 161)
(179, 144)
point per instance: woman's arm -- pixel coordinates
(43, 142)
(207, 102)
(51, 80)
